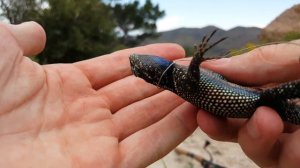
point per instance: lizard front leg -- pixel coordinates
(201, 49)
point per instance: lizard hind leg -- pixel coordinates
(284, 99)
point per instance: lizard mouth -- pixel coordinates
(135, 64)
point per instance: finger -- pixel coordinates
(10, 53)
(109, 68)
(146, 112)
(126, 91)
(268, 64)
(290, 153)
(30, 36)
(259, 137)
(155, 141)
(222, 129)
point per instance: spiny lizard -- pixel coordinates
(211, 91)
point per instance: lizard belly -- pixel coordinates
(216, 95)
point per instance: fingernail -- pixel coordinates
(252, 128)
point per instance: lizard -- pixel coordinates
(213, 92)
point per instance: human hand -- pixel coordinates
(92, 113)
(264, 137)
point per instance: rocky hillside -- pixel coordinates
(287, 22)
(237, 37)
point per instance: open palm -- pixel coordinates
(88, 114)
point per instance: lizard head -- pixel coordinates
(153, 69)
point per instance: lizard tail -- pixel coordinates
(281, 98)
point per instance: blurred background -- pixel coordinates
(78, 30)
(82, 29)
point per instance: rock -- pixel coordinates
(287, 22)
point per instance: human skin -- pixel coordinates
(92, 113)
(264, 138)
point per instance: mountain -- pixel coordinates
(287, 22)
(238, 37)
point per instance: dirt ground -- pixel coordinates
(224, 153)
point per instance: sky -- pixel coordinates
(224, 14)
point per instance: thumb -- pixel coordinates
(267, 64)
(259, 137)
(30, 36)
